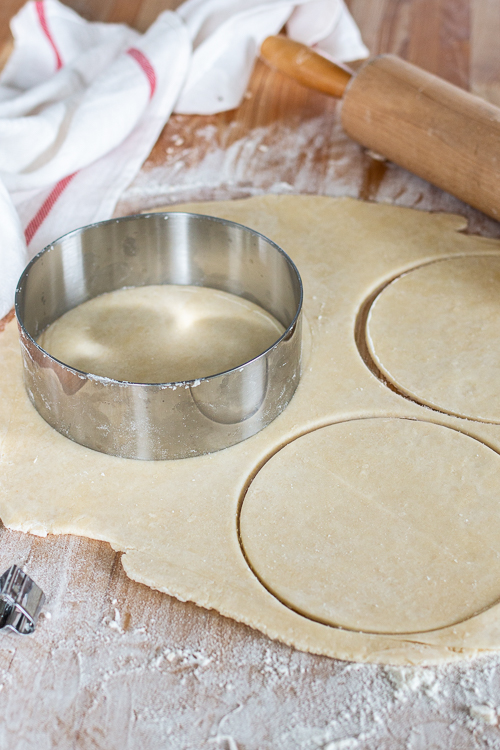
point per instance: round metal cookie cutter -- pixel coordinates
(164, 420)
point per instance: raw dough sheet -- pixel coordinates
(432, 333)
(161, 334)
(177, 522)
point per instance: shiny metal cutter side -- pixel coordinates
(164, 420)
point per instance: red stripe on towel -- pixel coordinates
(46, 207)
(40, 9)
(148, 69)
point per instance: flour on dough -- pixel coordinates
(177, 521)
(161, 334)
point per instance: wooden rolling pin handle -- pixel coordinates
(426, 125)
(305, 65)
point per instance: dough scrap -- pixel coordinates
(176, 521)
(431, 331)
(161, 334)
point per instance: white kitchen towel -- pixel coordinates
(82, 104)
(227, 35)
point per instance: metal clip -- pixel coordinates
(20, 601)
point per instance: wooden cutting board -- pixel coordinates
(114, 664)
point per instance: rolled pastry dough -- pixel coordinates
(161, 334)
(432, 333)
(368, 525)
(177, 521)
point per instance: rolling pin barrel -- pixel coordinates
(428, 126)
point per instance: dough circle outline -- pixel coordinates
(401, 384)
(282, 561)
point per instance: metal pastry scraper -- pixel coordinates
(20, 601)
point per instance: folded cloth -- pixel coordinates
(82, 104)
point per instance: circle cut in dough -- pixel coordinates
(161, 334)
(378, 525)
(434, 333)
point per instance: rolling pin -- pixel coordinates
(425, 124)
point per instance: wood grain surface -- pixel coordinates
(114, 664)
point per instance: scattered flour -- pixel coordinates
(484, 713)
